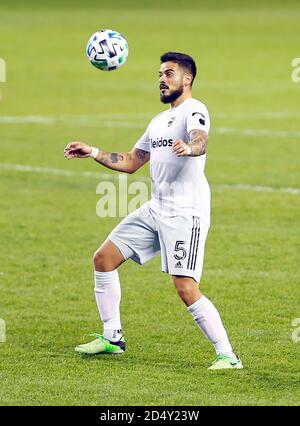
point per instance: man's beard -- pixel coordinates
(166, 99)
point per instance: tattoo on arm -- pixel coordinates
(113, 160)
(141, 154)
(115, 157)
(124, 161)
(198, 143)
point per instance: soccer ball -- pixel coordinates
(107, 50)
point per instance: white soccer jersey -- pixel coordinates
(179, 185)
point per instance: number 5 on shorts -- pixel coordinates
(180, 252)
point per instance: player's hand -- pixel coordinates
(77, 150)
(181, 149)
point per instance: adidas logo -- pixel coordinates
(178, 265)
(115, 332)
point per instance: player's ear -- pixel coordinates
(188, 78)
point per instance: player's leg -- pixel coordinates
(182, 253)
(208, 320)
(135, 238)
(108, 290)
(108, 257)
(108, 297)
(187, 288)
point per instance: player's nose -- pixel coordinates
(162, 84)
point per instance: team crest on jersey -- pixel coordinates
(171, 121)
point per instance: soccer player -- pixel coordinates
(174, 222)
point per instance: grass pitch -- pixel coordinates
(49, 227)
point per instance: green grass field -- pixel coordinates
(48, 223)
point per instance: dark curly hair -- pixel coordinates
(184, 61)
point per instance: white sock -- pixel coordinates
(209, 321)
(108, 297)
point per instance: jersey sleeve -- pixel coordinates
(197, 117)
(144, 142)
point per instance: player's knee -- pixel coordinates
(182, 291)
(101, 262)
(187, 290)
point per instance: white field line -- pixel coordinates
(116, 176)
(257, 188)
(274, 115)
(67, 173)
(139, 115)
(83, 120)
(257, 132)
(134, 115)
(79, 120)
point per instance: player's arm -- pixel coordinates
(127, 162)
(196, 147)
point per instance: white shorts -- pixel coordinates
(180, 240)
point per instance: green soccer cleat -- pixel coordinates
(101, 346)
(224, 361)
